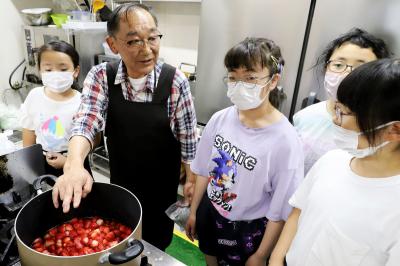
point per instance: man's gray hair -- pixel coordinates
(123, 11)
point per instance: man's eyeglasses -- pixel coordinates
(338, 66)
(152, 41)
(250, 81)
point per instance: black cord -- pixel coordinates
(307, 33)
(87, 4)
(11, 75)
(23, 73)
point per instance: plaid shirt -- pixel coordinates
(91, 116)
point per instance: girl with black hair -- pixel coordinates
(346, 210)
(340, 57)
(249, 162)
(48, 110)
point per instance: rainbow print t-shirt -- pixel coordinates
(50, 120)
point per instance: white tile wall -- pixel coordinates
(11, 46)
(179, 23)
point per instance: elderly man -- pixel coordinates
(146, 109)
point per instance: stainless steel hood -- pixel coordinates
(225, 23)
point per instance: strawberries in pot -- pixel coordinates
(81, 236)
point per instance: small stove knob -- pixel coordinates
(144, 261)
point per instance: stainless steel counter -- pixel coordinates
(159, 257)
(155, 257)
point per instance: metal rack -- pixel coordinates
(99, 160)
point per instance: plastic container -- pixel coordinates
(59, 19)
(81, 15)
(97, 5)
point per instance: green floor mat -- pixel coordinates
(185, 252)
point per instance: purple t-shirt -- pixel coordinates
(252, 172)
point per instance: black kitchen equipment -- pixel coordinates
(18, 171)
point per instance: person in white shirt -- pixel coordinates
(346, 210)
(48, 110)
(341, 56)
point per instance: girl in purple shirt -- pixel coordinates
(249, 162)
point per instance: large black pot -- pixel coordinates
(107, 201)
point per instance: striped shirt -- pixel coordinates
(91, 116)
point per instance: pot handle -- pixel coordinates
(37, 184)
(134, 249)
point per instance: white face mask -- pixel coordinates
(245, 95)
(348, 140)
(331, 83)
(57, 81)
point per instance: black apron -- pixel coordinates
(145, 157)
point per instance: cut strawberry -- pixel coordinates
(38, 240)
(87, 224)
(78, 243)
(49, 242)
(53, 231)
(39, 249)
(68, 227)
(94, 243)
(37, 245)
(81, 236)
(110, 236)
(105, 229)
